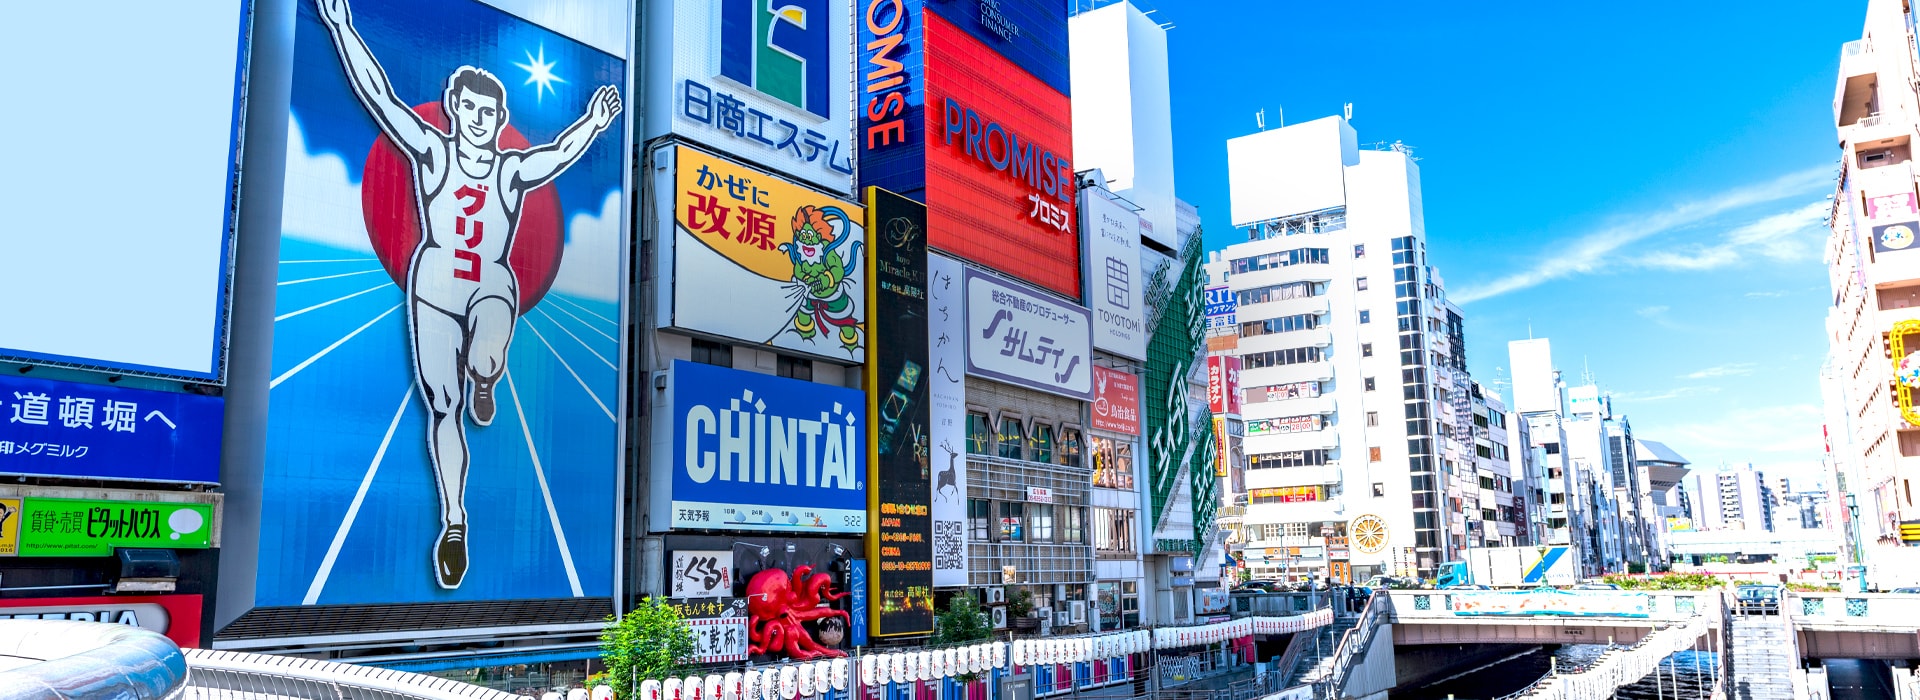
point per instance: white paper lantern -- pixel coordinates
(710, 686)
(750, 685)
(770, 684)
(649, 689)
(1020, 652)
(730, 686)
(926, 665)
(898, 670)
(840, 673)
(866, 670)
(789, 682)
(803, 679)
(670, 690)
(999, 654)
(1086, 650)
(694, 688)
(603, 692)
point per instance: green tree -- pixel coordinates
(961, 622)
(650, 643)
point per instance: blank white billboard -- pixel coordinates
(119, 183)
(1291, 170)
(1534, 389)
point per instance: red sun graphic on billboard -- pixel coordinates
(390, 205)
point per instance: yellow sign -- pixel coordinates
(1906, 367)
(9, 527)
(759, 221)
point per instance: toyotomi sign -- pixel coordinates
(755, 452)
(767, 81)
(1112, 235)
(1021, 337)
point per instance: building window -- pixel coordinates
(1297, 256)
(979, 436)
(1070, 447)
(1553, 448)
(794, 368)
(979, 513)
(1013, 437)
(1270, 531)
(1373, 419)
(1281, 460)
(1366, 316)
(1369, 383)
(1366, 349)
(1379, 490)
(1360, 251)
(1373, 454)
(1281, 292)
(1040, 519)
(1112, 463)
(1279, 358)
(1073, 526)
(1284, 324)
(1113, 530)
(707, 352)
(1012, 521)
(1360, 284)
(1041, 443)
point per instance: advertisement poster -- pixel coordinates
(1114, 283)
(760, 259)
(176, 616)
(1112, 462)
(1288, 494)
(1285, 392)
(899, 543)
(72, 527)
(1221, 454)
(1904, 339)
(100, 431)
(700, 574)
(1223, 385)
(1283, 426)
(792, 597)
(1548, 601)
(1222, 310)
(759, 452)
(1019, 336)
(1116, 400)
(947, 386)
(141, 287)
(445, 403)
(1889, 238)
(768, 82)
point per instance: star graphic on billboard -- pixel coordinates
(540, 73)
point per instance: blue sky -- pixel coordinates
(1641, 182)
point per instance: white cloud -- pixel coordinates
(1651, 311)
(1598, 251)
(1632, 397)
(590, 265)
(1786, 236)
(1728, 370)
(1768, 295)
(322, 205)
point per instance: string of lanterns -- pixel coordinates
(789, 681)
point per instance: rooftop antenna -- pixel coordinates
(1349, 111)
(1586, 371)
(1260, 118)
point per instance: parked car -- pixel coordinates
(1757, 599)
(1262, 586)
(1465, 587)
(1906, 590)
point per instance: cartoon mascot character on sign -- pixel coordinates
(821, 273)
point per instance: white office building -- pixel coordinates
(1357, 409)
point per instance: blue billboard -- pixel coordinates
(764, 453)
(1030, 33)
(445, 397)
(96, 431)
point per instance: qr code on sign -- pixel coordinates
(949, 545)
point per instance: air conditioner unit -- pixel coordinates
(996, 595)
(999, 618)
(1046, 626)
(1079, 609)
(1043, 613)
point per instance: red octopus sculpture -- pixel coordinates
(778, 604)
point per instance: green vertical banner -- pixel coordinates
(72, 527)
(900, 528)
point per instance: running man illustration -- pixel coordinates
(820, 276)
(463, 293)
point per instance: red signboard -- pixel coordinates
(1223, 385)
(999, 152)
(1116, 401)
(176, 616)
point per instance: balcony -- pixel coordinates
(1323, 404)
(1282, 477)
(1284, 307)
(1287, 374)
(1292, 442)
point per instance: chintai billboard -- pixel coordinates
(445, 391)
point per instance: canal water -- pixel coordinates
(1690, 677)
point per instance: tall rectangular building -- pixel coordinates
(1872, 373)
(1354, 382)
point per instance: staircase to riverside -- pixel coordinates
(1317, 653)
(1764, 657)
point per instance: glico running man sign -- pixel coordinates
(445, 388)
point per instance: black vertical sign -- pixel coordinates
(900, 529)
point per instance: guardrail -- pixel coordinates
(1355, 643)
(88, 660)
(1861, 611)
(1434, 605)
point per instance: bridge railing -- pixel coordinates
(1862, 611)
(1668, 606)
